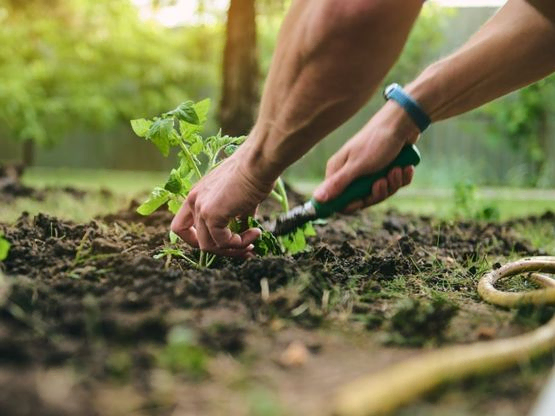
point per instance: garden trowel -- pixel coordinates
(358, 189)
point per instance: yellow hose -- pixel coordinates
(386, 390)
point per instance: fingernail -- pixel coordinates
(250, 247)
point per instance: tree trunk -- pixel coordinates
(240, 70)
(28, 150)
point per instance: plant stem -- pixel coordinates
(211, 259)
(276, 196)
(191, 158)
(280, 188)
(191, 261)
(202, 259)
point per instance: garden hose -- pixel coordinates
(386, 390)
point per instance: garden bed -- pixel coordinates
(91, 323)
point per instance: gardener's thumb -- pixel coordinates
(332, 186)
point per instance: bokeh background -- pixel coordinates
(74, 72)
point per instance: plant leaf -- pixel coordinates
(141, 126)
(202, 108)
(309, 230)
(174, 238)
(174, 183)
(174, 205)
(296, 241)
(197, 147)
(267, 243)
(186, 112)
(157, 198)
(4, 248)
(160, 133)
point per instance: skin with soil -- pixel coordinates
(92, 324)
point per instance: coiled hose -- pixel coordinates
(384, 391)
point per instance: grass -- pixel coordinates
(122, 187)
(125, 185)
(510, 202)
(124, 182)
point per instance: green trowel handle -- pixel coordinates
(362, 187)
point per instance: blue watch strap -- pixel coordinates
(414, 110)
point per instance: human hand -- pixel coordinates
(370, 150)
(226, 193)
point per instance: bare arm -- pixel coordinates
(514, 48)
(331, 55)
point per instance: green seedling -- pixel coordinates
(4, 247)
(468, 205)
(183, 355)
(198, 155)
(172, 250)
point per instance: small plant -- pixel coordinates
(183, 355)
(197, 155)
(416, 322)
(4, 247)
(467, 204)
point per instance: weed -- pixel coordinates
(119, 365)
(416, 322)
(262, 402)
(4, 247)
(467, 205)
(182, 355)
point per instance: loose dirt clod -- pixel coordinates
(416, 322)
(295, 355)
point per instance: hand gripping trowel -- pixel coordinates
(358, 189)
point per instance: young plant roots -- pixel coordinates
(383, 392)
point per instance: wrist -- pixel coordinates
(426, 89)
(396, 93)
(253, 159)
(403, 128)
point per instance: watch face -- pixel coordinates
(389, 89)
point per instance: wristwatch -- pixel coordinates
(396, 93)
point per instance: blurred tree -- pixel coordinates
(70, 64)
(423, 44)
(521, 121)
(240, 69)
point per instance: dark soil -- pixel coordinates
(92, 324)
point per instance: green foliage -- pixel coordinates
(416, 322)
(70, 64)
(520, 121)
(182, 355)
(467, 205)
(296, 241)
(157, 198)
(181, 128)
(422, 45)
(4, 247)
(267, 244)
(198, 155)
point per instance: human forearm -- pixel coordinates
(331, 56)
(515, 48)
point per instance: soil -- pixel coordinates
(92, 324)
